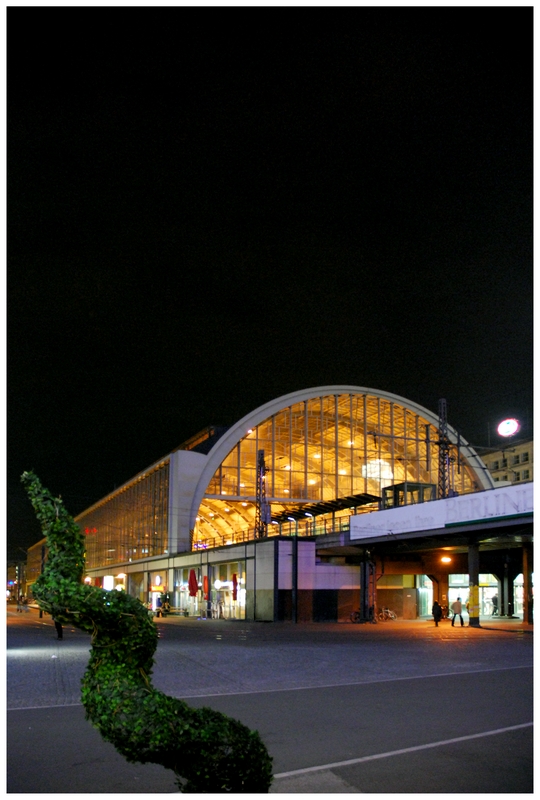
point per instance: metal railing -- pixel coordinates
(283, 529)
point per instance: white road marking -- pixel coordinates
(402, 751)
(359, 683)
(188, 697)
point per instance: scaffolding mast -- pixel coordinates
(262, 509)
(444, 452)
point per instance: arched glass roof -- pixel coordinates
(328, 452)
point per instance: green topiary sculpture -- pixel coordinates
(208, 751)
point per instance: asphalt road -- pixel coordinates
(396, 708)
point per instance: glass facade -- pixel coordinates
(424, 585)
(316, 451)
(225, 587)
(458, 586)
(130, 524)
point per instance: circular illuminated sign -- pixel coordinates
(508, 427)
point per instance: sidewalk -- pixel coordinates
(509, 624)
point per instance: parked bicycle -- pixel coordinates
(357, 617)
(386, 614)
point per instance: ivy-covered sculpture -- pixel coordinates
(207, 750)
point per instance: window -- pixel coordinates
(524, 458)
(504, 478)
(495, 465)
(316, 450)
(504, 463)
(525, 475)
(515, 459)
(516, 476)
(128, 518)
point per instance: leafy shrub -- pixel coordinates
(208, 751)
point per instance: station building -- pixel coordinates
(254, 521)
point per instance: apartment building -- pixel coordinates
(513, 463)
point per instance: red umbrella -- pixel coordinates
(205, 586)
(234, 585)
(193, 584)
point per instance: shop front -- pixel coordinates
(215, 591)
(157, 589)
(489, 595)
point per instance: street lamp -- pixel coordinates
(508, 427)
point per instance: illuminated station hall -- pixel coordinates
(316, 505)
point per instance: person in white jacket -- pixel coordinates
(456, 609)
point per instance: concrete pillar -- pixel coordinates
(512, 568)
(276, 579)
(364, 595)
(170, 584)
(499, 592)
(506, 593)
(146, 584)
(510, 573)
(527, 584)
(295, 579)
(367, 569)
(474, 589)
(443, 589)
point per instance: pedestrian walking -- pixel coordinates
(159, 607)
(19, 604)
(437, 613)
(457, 609)
(495, 601)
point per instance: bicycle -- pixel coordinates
(356, 616)
(386, 614)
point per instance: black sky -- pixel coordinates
(211, 207)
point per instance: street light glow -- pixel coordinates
(508, 427)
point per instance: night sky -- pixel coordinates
(209, 207)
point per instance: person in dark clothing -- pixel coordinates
(59, 629)
(159, 607)
(437, 613)
(495, 601)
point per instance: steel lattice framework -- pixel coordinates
(262, 510)
(444, 451)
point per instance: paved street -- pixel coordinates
(395, 707)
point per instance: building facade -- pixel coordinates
(233, 521)
(512, 464)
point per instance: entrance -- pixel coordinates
(458, 586)
(425, 595)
